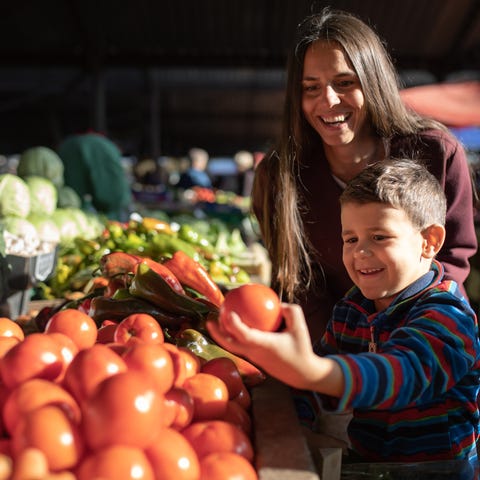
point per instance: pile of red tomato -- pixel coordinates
(118, 402)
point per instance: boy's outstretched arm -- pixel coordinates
(286, 355)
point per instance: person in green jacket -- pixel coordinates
(92, 167)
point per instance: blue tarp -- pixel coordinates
(469, 136)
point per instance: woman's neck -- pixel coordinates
(347, 161)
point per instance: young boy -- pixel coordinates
(401, 349)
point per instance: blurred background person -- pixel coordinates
(196, 175)
(241, 181)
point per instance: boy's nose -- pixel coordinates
(363, 251)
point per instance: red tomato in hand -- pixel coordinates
(257, 305)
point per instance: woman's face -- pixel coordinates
(332, 98)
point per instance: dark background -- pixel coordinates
(160, 76)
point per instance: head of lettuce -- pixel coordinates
(14, 196)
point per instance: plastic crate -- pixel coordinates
(24, 273)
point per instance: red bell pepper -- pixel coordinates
(193, 275)
(121, 263)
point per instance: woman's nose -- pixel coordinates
(331, 97)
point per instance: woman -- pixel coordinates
(343, 111)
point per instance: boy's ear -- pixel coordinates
(433, 238)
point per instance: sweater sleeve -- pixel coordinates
(418, 364)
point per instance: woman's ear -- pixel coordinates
(433, 238)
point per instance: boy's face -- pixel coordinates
(382, 251)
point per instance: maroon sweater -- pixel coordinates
(444, 157)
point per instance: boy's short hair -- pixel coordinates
(403, 184)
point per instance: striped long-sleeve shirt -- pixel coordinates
(411, 372)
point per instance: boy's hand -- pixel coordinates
(284, 355)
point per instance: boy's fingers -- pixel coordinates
(293, 315)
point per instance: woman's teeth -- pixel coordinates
(335, 119)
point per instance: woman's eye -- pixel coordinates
(344, 84)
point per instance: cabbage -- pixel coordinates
(20, 227)
(80, 218)
(42, 162)
(47, 229)
(68, 197)
(43, 194)
(2, 254)
(66, 224)
(87, 227)
(74, 222)
(95, 225)
(14, 196)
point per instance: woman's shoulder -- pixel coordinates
(438, 135)
(431, 141)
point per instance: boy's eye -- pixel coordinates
(379, 237)
(349, 240)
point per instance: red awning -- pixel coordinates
(454, 104)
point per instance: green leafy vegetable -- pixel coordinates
(47, 229)
(68, 197)
(43, 162)
(18, 226)
(43, 194)
(14, 196)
